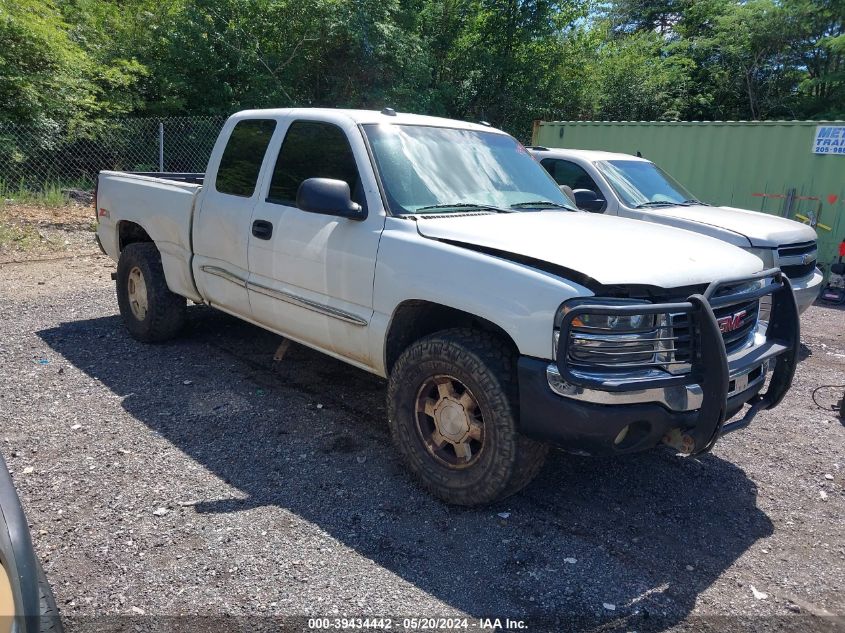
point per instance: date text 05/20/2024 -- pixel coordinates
(417, 624)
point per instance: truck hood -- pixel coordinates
(737, 226)
(608, 250)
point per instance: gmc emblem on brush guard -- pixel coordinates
(731, 322)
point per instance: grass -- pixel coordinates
(33, 222)
(50, 195)
(41, 220)
(18, 238)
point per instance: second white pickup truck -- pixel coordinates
(633, 187)
(440, 255)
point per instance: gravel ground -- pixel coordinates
(202, 477)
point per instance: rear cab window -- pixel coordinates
(240, 164)
(313, 149)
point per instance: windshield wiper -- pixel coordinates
(694, 201)
(541, 204)
(463, 205)
(656, 203)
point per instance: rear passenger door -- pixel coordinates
(222, 226)
(311, 275)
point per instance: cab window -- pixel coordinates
(568, 173)
(312, 149)
(241, 160)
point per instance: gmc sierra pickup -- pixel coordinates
(633, 187)
(439, 254)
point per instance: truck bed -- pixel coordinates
(162, 205)
(177, 176)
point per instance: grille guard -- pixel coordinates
(709, 365)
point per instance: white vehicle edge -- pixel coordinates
(779, 242)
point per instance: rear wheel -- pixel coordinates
(452, 405)
(150, 311)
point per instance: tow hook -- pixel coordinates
(681, 442)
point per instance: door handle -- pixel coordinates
(262, 229)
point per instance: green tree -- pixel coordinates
(744, 62)
(817, 43)
(501, 61)
(504, 61)
(632, 79)
(43, 72)
(638, 16)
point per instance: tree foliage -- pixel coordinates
(504, 61)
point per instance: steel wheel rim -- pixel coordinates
(449, 422)
(136, 287)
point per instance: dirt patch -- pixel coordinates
(72, 216)
(35, 232)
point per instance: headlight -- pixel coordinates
(613, 323)
(766, 254)
(608, 339)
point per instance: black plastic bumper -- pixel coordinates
(574, 425)
(548, 417)
(578, 425)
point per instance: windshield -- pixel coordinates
(641, 183)
(427, 169)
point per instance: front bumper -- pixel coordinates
(742, 376)
(807, 289)
(587, 414)
(595, 428)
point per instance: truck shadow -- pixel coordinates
(645, 533)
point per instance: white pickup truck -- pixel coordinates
(439, 254)
(633, 187)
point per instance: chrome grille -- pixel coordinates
(748, 311)
(797, 260)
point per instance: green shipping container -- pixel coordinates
(768, 166)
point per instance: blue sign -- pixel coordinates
(829, 139)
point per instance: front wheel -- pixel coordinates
(452, 406)
(150, 311)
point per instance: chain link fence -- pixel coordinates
(35, 157)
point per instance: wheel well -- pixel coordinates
(129, 233)
(415, 319)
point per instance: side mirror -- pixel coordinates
(328, 197)
(588, 200)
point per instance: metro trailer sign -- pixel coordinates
(829, 139)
